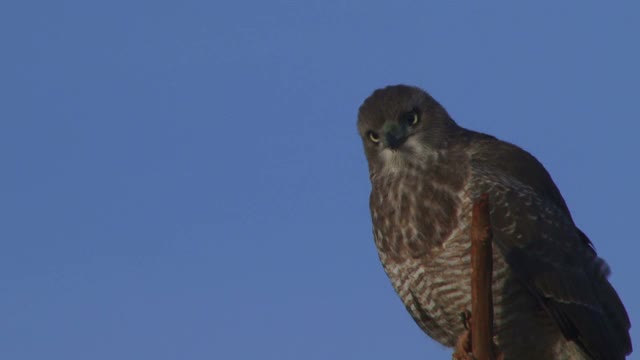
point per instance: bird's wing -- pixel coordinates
(550, 255)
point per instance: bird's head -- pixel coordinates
(402, 126)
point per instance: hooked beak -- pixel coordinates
(394, 135)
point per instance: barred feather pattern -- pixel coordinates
(421, 228)
(552, 299)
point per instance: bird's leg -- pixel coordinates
(465, 317)
(463, 345)
(463, 350)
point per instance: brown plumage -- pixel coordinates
(551, 295)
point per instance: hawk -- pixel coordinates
(552, 299)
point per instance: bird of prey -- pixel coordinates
(552, 299)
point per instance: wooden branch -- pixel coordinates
(482, 268)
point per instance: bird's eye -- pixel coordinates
(373, 136)
(412, 118)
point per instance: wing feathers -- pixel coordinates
(549, 254)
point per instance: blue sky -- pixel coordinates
(184, 180)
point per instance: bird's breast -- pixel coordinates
(414, 214)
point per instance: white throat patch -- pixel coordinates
(411, 154)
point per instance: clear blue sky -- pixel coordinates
(184, 180)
